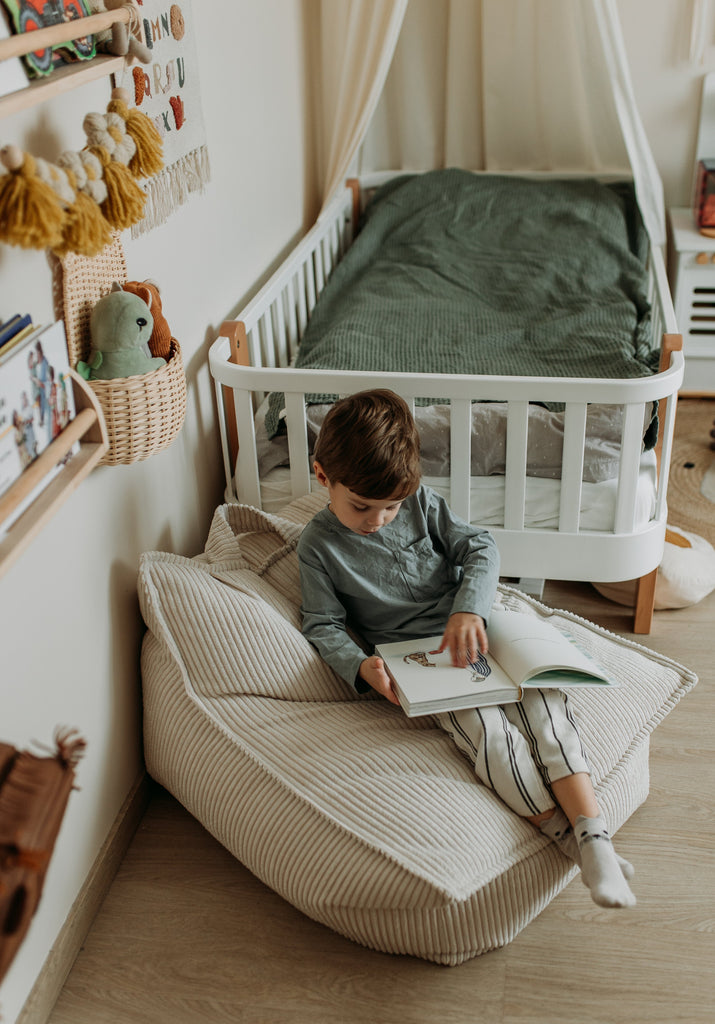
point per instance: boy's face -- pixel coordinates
(361, 515)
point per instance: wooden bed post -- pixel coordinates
(235, 331)
(645, 586)
(670, 343)
(354, 185)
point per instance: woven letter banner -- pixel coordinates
(167, 90)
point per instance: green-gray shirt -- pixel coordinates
(402, 582)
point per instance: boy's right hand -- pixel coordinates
(372, 670)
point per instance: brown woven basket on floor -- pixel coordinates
(143, 413)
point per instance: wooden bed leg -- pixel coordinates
(645, 586)
(645, 600)
(235, 331)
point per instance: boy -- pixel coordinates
(387, 560)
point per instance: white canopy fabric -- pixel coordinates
(498, 85)
(357, 42)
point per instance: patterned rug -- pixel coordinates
(691, 488)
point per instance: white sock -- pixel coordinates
(558, 829)
(600, 869)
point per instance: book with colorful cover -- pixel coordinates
(524, 652)
(30, 15)
(36, 399)
(12, 328)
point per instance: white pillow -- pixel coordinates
(685, 576)
(234, 623)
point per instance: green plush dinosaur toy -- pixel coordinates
(120, 327)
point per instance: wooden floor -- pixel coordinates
(187, 935)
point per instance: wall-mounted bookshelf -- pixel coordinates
(62, 79)
(87, 428)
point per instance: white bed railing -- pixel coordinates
(276, 318)
(634, 396)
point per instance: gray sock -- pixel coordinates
(601, 871)
(558, 829)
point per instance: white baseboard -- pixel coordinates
(63, 954)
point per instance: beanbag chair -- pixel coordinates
(367, 821)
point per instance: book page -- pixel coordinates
(423, 676)
(526, 646)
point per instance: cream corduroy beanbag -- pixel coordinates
(367, 821)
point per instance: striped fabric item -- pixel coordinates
(367, 821)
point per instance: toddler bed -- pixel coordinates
(528, 322)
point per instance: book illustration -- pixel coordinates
(30, 15)
(36, 400)
(480, 666)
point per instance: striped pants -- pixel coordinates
(518, 750)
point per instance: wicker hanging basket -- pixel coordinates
(143, 413)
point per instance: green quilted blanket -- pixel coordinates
(461, 273)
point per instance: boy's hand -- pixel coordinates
(465, 636)
(372, 670)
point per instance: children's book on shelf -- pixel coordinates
(524, 652)
(13, 330)
(30, 15)
(36, 397)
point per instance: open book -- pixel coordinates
(524, 651)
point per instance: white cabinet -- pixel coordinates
(691, 269)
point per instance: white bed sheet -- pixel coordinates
(541, 508)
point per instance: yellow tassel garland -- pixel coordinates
(85, 231)
(31, 215)
(149, 156)
(125, 201)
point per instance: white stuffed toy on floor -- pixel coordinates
(685, 576)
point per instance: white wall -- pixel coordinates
(667, 85)
(69, 624)
(70, 628)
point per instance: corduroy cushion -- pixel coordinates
(368, 821)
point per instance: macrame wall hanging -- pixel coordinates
(73, 205)
(166, 89)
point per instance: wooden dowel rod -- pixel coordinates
(62, 79)
(52, 455)
(39, 39)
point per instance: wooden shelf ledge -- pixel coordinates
(62, 80)
(39, 39)
(72, 75)
(89, 429)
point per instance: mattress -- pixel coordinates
(542, 503)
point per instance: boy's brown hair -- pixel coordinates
(369, 443)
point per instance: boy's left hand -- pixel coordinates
(465, 636)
